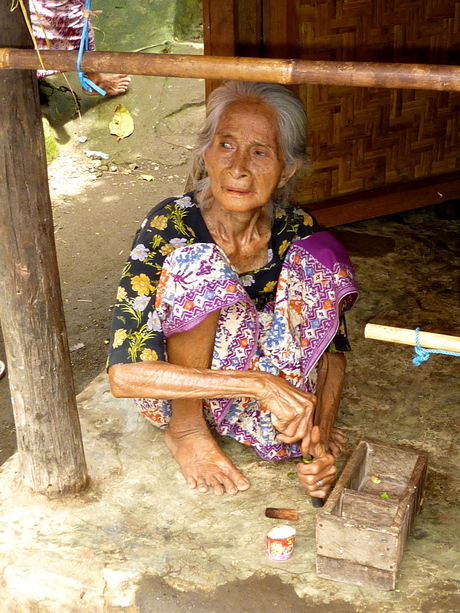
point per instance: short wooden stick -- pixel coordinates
(428, 340)
(288, 514)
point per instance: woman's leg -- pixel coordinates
(188, 437)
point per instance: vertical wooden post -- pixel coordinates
(42, 390)
(218, 32)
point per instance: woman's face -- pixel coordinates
(244, 161)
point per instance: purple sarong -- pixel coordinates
(287, 338)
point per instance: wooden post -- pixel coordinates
(40, 373)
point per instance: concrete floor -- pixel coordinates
(139, 541)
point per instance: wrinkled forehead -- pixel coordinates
(250, 115)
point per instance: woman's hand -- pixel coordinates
(291, 409)
(317, 477)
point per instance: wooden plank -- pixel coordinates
(379, 479)
(355, 541)
(369, 509)
(384, 201)
(280, 29)
(219, 27)
(351, 477)
(415, 491)
(39, 367)
(356, 574)
(248, 28)
(218, 33)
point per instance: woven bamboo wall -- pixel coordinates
(366, 138)
(359, 138)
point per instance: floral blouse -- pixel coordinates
(136, 333)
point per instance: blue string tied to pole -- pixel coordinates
(86, 83)
(422, 354)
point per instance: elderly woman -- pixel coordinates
(228, 313)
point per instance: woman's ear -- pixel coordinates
(288, 172)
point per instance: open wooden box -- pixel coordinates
(360, 536)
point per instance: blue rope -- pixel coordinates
(422, 354)
(84, 46)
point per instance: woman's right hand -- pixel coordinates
(291, 409)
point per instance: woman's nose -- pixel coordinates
(238, 165)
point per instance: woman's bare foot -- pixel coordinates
(112, 84)
(203, 464)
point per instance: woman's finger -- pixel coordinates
(296, 430)
(318, 476)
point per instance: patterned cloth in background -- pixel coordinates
(58, 25)
(278, 319)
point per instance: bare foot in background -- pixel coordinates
(112, 84)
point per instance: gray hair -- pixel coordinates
(291, 120)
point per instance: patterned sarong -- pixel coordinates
(58, 25)
(315, 286)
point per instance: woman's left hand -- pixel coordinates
(317, 477)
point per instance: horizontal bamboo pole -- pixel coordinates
(288, 72)
(428, 340)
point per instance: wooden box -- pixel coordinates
(360, 535)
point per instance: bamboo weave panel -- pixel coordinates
(366, 138)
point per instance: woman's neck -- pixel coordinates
(243, 235)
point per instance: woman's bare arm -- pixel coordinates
(331, 375)
(291, 409)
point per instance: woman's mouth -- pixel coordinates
(237, 191)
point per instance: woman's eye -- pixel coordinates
(260, 153)
(225, 144)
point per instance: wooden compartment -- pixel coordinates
(360, 536)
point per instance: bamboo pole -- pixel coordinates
(287, 72)
(428, 340)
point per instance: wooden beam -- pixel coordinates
(404, 336)
(280, 29)
(40, 372)
(386, 200)
(288, 72)
(248, 28)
